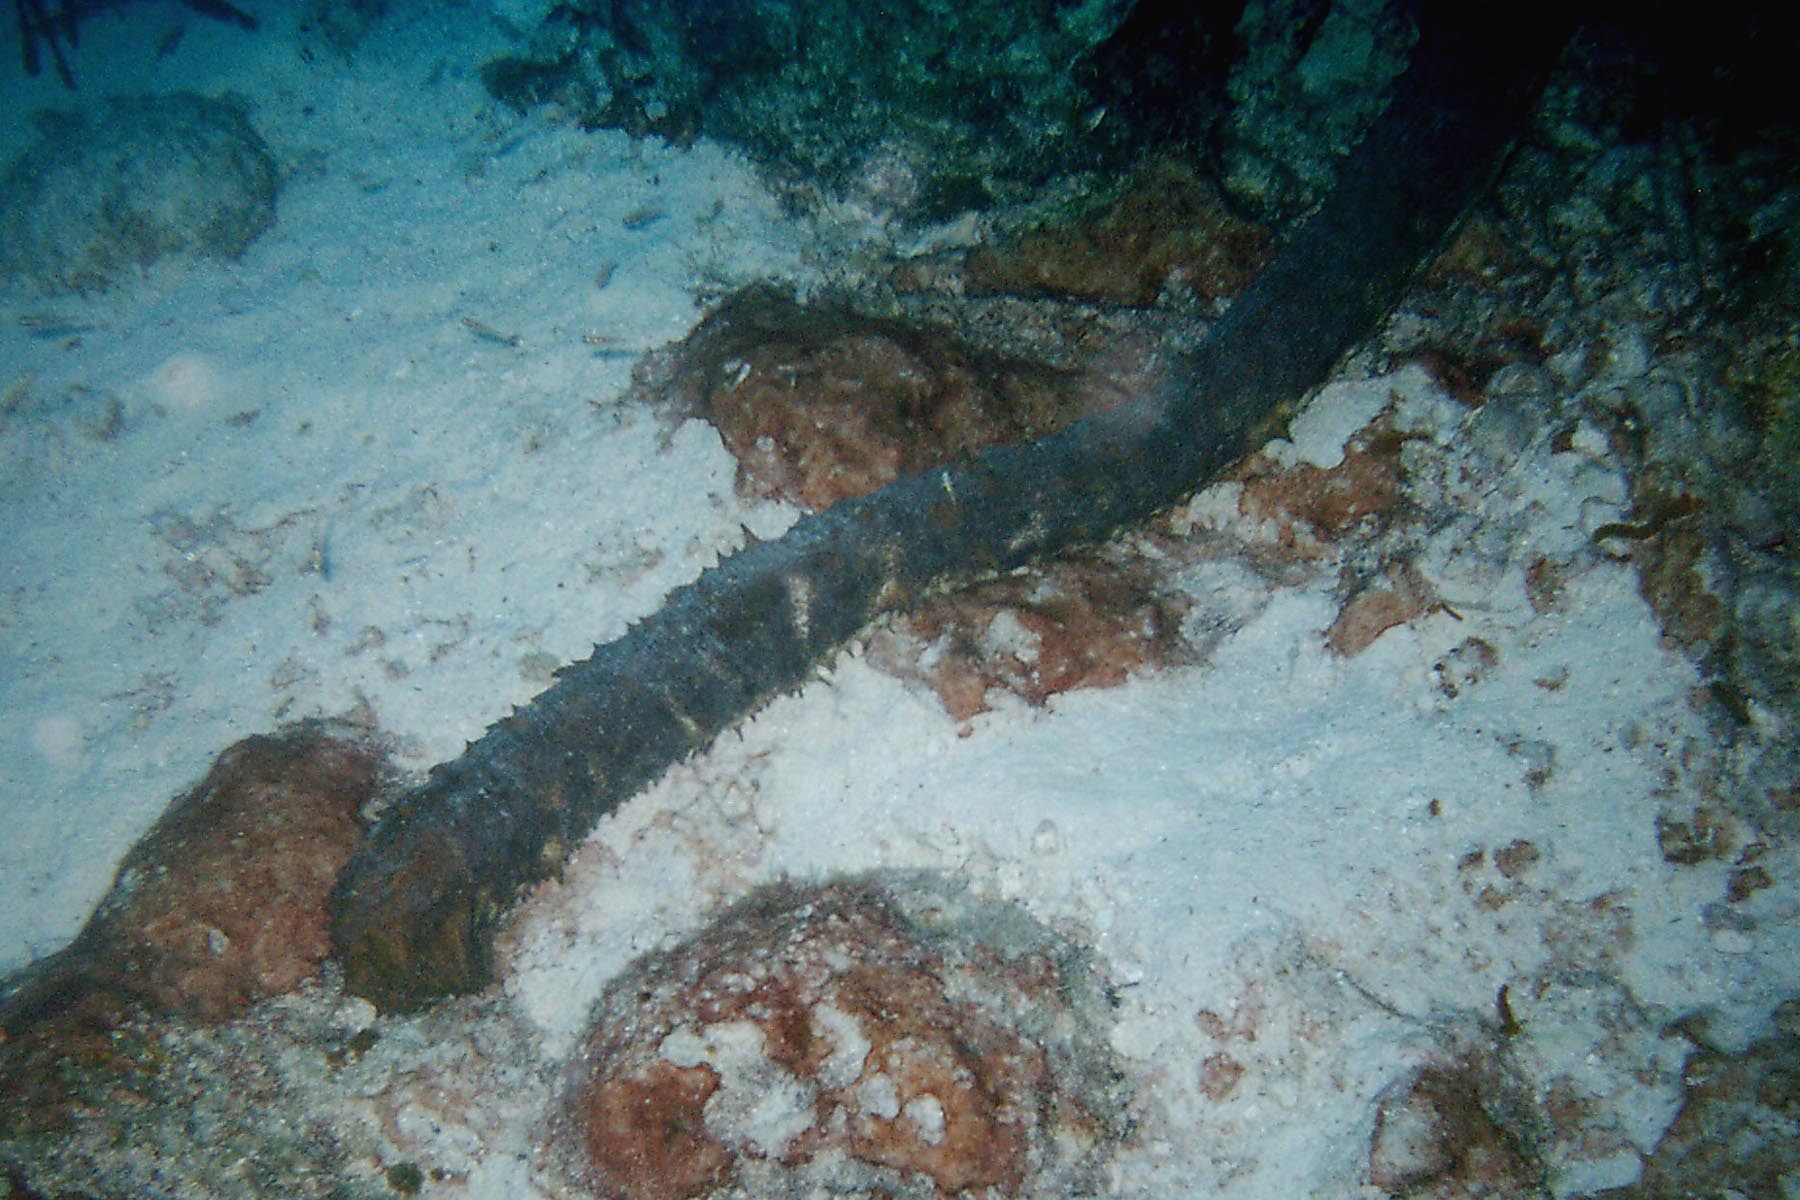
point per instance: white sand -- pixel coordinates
(328, 490)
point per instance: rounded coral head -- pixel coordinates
(881, 1035)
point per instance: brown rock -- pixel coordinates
(221, 904)
(1169, 227)
(1079, 622)
(894, 1037)
(1316, 506)
(1446, 1134)
(1373, 606)
(819, 403)
(1738, 1132)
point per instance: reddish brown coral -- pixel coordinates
(1081, 622)
(1169, 227)
(646, 1136)
(819, 403)
(1447, 1134)
(221, 904)
(1310, 505)
(894, 1037)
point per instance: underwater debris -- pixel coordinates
(879, 1036)
(481, 331)
(55, 30)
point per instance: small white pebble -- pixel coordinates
(928, 1115)
(1732, 941)
(878, 1097)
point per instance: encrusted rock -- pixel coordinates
(1089, 620)
(94, 200)
(819, 402)
(1168, 230)
(914, 109)
(877, 1036)
(1446, 1133)
(220, 905)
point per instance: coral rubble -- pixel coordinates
(1087, 620)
